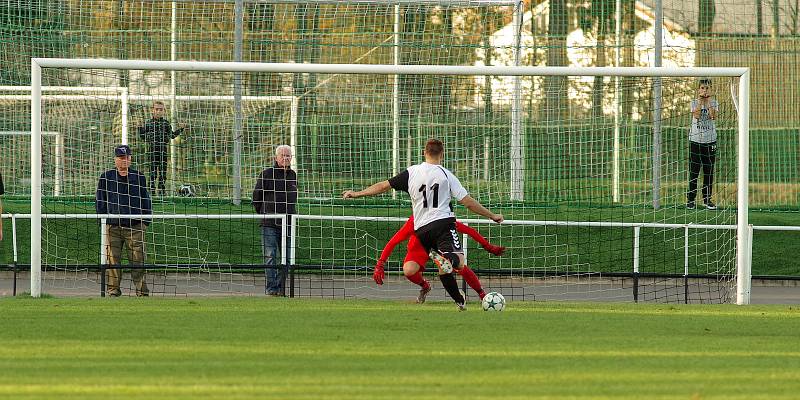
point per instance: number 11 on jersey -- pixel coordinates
(435, 190)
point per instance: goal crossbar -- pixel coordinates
(743, 74)
(387, 69)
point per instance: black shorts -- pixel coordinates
(440, 235)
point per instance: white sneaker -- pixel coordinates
(441, 262)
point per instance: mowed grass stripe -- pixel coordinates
(94, 351)
(348, 349)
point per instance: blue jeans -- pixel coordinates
(271, 251)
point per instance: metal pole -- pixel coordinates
(125, 108)
(295, 107)
(103, 241)
(517, 166)
(657, 108)
(686, 264)
(238, 118)
(743, 272)
(485, 158)
(36, 179)
(617, 101)
(293, 233)
(14, 237)
(59, 173)
(173, 55)
(396, 99)
(636, 231)
(14, 247)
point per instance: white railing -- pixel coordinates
(290, 252)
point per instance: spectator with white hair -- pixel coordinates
(275, 193)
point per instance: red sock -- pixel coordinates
(417, 279)
(472, 280)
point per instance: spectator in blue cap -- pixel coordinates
(123, 190)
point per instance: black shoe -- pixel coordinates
(710, 205)
(690, 205)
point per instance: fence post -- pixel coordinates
(636, 263)
(102, 280)
(14, 247)
(686, 264)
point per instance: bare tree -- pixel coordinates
(776, 19)
(759, 17)
(705, 18)
(602, 12)
(555, 104)
(260, 25)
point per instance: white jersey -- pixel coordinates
(703, 129)
(431, 188)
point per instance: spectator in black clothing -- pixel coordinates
(157, 132)
(123, 190)
(275, 193)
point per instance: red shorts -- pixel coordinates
(416, 252)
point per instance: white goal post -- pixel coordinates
(743, 74)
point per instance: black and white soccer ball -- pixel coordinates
(186, 190)
(493, 301)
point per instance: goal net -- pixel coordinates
(593, 185)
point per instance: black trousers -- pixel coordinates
(701, 156)
(158, 173)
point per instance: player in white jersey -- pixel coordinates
(431, 188)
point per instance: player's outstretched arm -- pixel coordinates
(403, 234)
(476, 236)
(479, 209)
(378, 188)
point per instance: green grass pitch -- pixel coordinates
(257, 348)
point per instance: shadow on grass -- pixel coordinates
(27, 295)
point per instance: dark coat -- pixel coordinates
(275, 193)
(123, 195)
(157, 133)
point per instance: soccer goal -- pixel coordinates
(590, 214)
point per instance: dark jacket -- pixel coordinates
(123, 195)
(157, 133)
(275, 193)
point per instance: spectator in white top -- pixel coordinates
(702, 144)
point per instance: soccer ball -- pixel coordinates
(186, 191)
(493, 301)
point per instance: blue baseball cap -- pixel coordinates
(122, 150)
